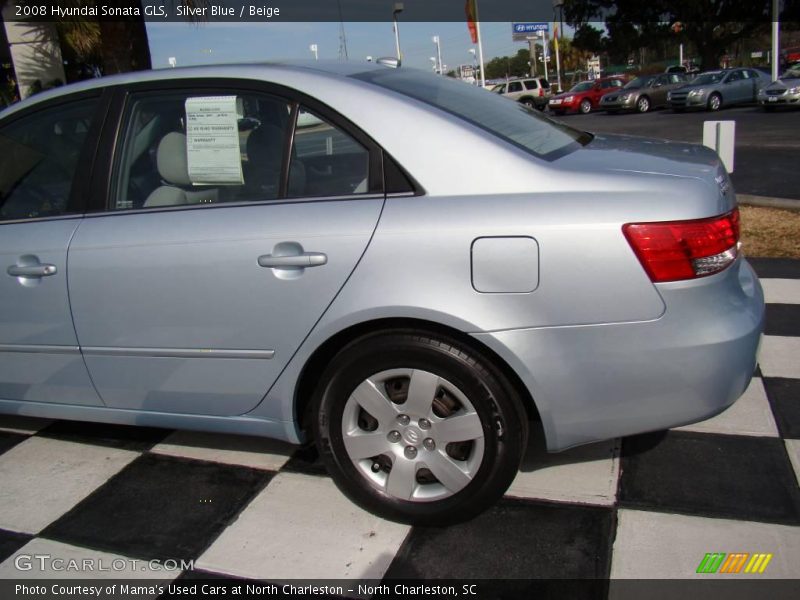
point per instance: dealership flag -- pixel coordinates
(469, 8)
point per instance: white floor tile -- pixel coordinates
(19, 424)
(781, 291)
(587, 474)
(302, 527)
(653, 545)
(749, 415)
(43, 478)
(47, 559)
(255, 452)
(780, 356)
(793, 448)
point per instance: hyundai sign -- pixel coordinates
(522, 31)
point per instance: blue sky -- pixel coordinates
(206, 43)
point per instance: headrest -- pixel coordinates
(171, 159)
(265, 147)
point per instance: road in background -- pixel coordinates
(767, 158)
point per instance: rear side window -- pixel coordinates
(510, 121)
(39, 155)
(531, 84)
(325, 160)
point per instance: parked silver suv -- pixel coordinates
(534, 91)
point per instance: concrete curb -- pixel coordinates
(767, 202)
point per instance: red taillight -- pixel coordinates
(541, 92)
(674, 250)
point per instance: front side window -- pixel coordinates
(193, 148)
(39, 156)
(510, 121)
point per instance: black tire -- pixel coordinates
(585, 106)
(643, 104)
(528, 102)
(502, 416)
(714, 102)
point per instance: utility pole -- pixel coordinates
(532, 53)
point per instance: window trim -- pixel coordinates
(80, 193)
(112, 140)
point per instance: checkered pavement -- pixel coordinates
(648, 506)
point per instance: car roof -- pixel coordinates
(323, 69)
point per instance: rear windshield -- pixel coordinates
(511, 121)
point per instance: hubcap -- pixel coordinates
(413, 435)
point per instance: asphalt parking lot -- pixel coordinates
(767, 144)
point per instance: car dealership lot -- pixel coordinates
(767, 144)
(644, 507)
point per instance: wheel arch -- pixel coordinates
(324, 352)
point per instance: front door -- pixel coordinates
(40, 155)
(225, 239)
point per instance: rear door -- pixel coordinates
(45, 157)
(234, 216)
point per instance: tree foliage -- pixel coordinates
(712, 26)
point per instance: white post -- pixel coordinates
(776, 33)
(313, 48)
(438, 54)
(680, 55)
(480, 43)
(544, 54)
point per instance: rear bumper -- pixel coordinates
(598, 382)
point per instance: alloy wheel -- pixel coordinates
(413, 435)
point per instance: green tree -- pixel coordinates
(711, 26)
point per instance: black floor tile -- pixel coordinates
(306, 460)
(783, 319)
(512, 540)
(125, 437)
(160, 507)
(9, 439)
(784, 397)
(782, 268)
(11, 541)
(736, 477)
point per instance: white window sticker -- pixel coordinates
(212, 140)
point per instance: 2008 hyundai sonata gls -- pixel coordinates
(410, 269)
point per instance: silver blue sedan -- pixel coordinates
(407, 270)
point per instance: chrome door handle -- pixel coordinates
(33, 271)
(307, 259)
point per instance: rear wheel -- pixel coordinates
(418, 428)
(528, 102)
(586, 106)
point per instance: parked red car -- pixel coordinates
(585, 96)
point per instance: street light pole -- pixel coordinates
(314, 49)
(438, 53)
(398, 8)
